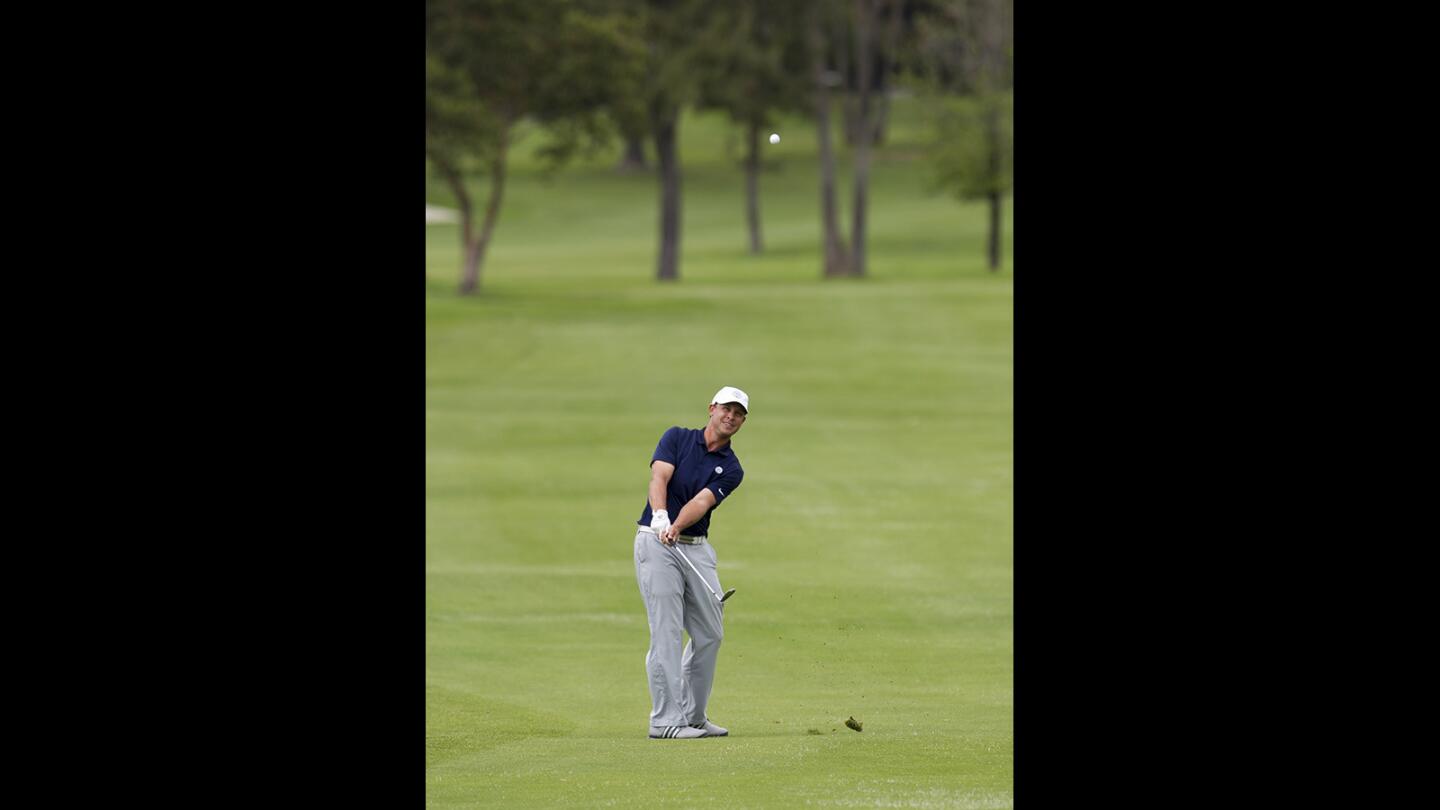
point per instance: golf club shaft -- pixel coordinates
(682, 556)
(677, 552)
(697, 572)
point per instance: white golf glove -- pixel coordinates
(660, 521)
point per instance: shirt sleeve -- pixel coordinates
(667, 450)
(726, 483)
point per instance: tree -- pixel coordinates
(648, 78)
(459, 129)
(754, 69)
(673, 33)
(633, 158)
(626, 107)
(966, 50)
(492, 64)
(823, 28)
(884, 43)
(847, 41)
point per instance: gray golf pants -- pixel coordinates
(674, 600)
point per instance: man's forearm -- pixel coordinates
(657, 495)
(693, 511)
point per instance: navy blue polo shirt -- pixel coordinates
(695, 469)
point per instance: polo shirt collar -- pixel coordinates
(723, 450)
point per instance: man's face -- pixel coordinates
(726, 419)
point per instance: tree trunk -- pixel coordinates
(992, 243)
(993, 146)
(874, 121)
(881, 116)
(872, 72)
(475, 251)
(752, 188)
(633, 160)
(665, 125)
(884, 62)
(842, 67)
(864, 133)
(849, 117)
(993, 80)
(469, 268)
(836, 260)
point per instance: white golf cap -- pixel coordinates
(732, 394)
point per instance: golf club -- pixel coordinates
(682, 556)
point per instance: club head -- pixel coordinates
(728, 594)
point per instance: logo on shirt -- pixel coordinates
(719, 470)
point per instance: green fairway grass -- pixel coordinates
(870, 544)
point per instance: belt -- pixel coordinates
(687, 539)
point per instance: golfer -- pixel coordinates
(691, 473)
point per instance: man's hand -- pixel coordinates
(660, 523)
(703, 502)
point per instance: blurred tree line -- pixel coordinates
(588, 71)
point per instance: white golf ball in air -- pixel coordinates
(774, 138)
